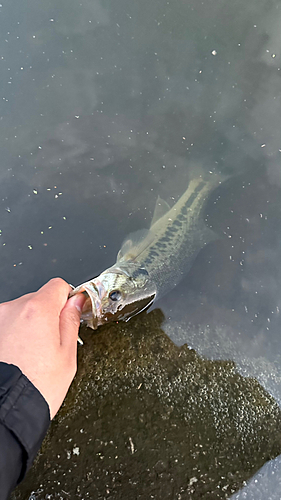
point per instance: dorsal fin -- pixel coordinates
(161, 208)
(133, 244)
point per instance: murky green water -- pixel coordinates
(105, 106)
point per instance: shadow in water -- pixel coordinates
(145, 419)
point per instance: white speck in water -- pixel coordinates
(76, 450)
(30, 247)
(192, 481)
(35, 191)
(262, 145)
(132, 445)
(8, 209)
(214, 52)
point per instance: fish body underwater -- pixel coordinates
(151, 261)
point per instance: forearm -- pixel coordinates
(38, 334)
(24, 420)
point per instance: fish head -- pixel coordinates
(119, 293)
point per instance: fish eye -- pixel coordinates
(115, 295)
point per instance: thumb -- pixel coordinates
(70, 320)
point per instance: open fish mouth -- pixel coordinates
(91, 311)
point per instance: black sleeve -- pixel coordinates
(24, 420)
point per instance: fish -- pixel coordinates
(151, 261)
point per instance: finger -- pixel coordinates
(54, 294)
(70, 322)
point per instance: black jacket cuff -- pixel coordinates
(23, 411)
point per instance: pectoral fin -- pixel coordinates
(134, 244)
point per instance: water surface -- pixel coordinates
(105, 106)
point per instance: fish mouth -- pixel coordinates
(91, 311)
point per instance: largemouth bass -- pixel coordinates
(151, 261)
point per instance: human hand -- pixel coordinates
(38, 333)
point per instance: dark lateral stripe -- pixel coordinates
(148, 260)
(165, 239)
(168, 237)
(153, 253)
(192, 197)
(181, 217)
(138, 272)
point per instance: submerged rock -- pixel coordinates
(147, 419)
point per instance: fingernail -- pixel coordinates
(78, 301)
